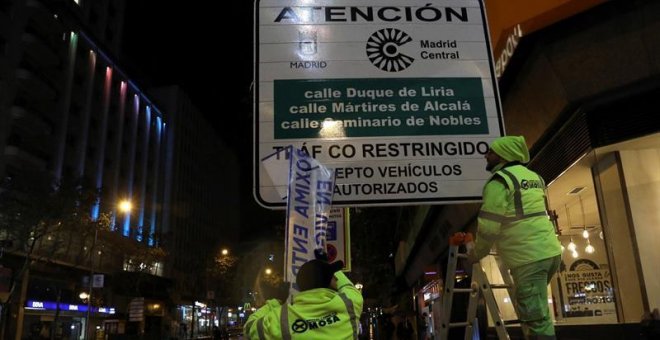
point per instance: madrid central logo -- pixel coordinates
(383, 49)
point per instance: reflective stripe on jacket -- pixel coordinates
(514, 217)
(320, 313)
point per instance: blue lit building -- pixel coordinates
(69, 111)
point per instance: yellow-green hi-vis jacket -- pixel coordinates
(320, 313)
(514, 217)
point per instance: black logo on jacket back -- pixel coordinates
(531, 184)
(302, 326)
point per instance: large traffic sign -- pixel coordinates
(399, 97)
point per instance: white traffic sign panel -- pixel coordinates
(399, 97)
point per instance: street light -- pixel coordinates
(224, 251)
(268, 271)
(125, 207)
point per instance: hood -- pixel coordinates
(511, 148)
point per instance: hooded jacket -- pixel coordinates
(320, 313)
(513, 215)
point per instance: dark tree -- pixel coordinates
(42, 221)
(374, 241)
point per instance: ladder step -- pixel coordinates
(479, 288)
(499, 286)
(458, 324)
(462, 290)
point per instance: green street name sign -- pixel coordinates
(379, 107)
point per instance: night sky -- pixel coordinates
(197, 48)
(200, 47)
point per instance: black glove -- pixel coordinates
(282, 291)
(278, 291)
(321, 254)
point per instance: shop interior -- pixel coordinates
(605, 220)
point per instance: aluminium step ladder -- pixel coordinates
(478, 287)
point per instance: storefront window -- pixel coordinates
(607, 207)
(627, 183)
(584, 287)
(583, 290)
(201, 320)
(605, 204)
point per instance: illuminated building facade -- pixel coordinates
(70, 112)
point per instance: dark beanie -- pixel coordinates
(317, 274)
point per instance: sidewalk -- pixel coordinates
(609, 332)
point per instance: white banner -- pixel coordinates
(309, 199)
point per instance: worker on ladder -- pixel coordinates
(514, 217)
